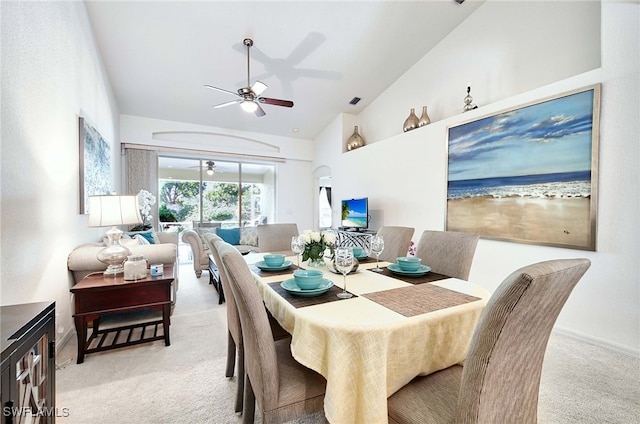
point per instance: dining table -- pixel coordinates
(395, 327)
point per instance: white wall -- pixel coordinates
(51, 74)
(293, 157)
(404, 174)
(504, 48)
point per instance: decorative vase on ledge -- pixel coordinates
(468, 101)
(355, 140)
(424, 119)
(411, 122)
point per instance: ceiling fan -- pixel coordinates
(250, 96)
(209, 166)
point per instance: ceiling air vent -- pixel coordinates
(354, 101)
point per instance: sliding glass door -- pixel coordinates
(202, 192)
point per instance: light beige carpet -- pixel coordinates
(185, 382)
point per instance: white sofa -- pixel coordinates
(83, 261)
(247, 240)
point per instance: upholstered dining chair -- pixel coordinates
(448, 252)
(282, 388)
(276, 238)
(501, 376)
(396, 242)
(234, 330)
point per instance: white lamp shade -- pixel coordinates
(105, 211)
(248, 106)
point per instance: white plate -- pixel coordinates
(395, 268)
(291, 286)
(263, 266)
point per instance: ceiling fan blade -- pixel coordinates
(258, 87)
(275, 102)
(233, 102)
(220, 89)
(259, 111)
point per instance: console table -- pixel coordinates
(98, 297)
(28, 363)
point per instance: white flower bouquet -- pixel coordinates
(315, 244)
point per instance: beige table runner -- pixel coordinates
(300, 301)
(419, 299)
(429, 277)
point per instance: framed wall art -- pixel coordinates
(95, 164)
(528, 174)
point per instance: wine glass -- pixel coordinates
(297, 247)
(344, 262)
(377, 246)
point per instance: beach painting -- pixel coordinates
(528, 174)
(95, 164)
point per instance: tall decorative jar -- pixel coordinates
(424, 118)
(411, 122)
(355, 140)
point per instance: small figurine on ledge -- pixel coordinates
(468, 105)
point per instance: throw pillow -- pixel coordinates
(249, 236)
(149, 235)
(230, 235)
(141, 239)
(125, 241)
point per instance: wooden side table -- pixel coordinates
(97, 295)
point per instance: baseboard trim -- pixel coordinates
(61, 342)
(598, 342)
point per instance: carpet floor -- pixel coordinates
(185, 382)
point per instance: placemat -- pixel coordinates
(367, 260)
(429, 277)
(300, 302)
(420, 299)
(262, 273)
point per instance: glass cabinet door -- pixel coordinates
(30, 400)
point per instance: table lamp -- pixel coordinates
(113, 210)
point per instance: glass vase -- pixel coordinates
(315, 262)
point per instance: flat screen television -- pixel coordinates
(355, 214)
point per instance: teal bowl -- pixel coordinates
(409, 263)
(308, 279)
(274, 259)
(357, 251)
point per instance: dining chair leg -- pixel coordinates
(249, 410)
(231, 356)
(241, 378)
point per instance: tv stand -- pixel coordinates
(354, 237)
(356, 230)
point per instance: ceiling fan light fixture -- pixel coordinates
(248, 106)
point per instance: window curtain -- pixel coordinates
(142, 174)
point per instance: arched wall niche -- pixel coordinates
(320, 174)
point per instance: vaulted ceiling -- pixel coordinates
(319, 54)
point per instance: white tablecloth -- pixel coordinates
(366, 351)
